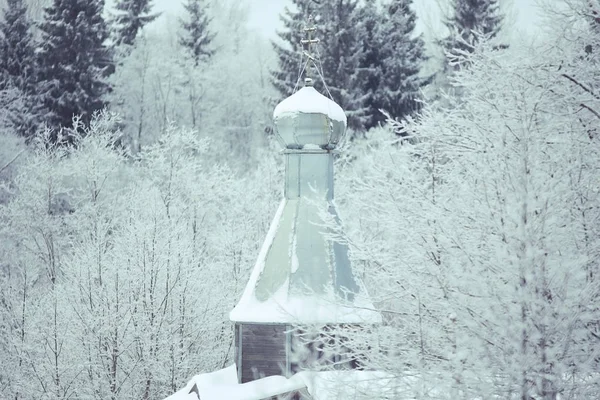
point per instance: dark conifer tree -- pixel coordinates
(129, 18)
(18, 73)
(343, 46)
(289, 49)
(339, 53)
(401, 55)
(196, 37)
(73, 59)
(371, 71)
(470, 18)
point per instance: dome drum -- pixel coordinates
(298, 130)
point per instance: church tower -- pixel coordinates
(302, 275)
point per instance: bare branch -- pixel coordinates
(596, 113)
(12, 161)
(581, 85)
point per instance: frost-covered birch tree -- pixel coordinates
(118, 273)
(224, 99)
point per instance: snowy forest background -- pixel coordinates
(128, 231)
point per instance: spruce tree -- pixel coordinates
(343, 35)
(129, 18)
(73, 59)
(401, 55)
(196, 37)
(289, 48)
(371, 71)
(18, 68)
(339, 53)
(472, 17)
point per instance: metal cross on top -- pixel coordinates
(310, 29)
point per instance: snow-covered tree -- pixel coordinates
(16, 45)
(401, 55)
(196, 36)
(34, 304)
(340, 53)
(143, 90)
(73, 59)
(18, 75)
(125, 271)
(224, 100)
(370, 16)
(289, 50)
(129, 17)
(470, 19)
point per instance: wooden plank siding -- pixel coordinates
(261, 350)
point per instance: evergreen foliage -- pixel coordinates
(15, 44)
(342, 56)
(289, 48)
(339, 53)
(369, 57)
(472, 17)
(73, 59)
(130, 17)
(392, 62)
(370, 17)
(197, 37)
(18, 77)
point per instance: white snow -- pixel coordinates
(285, 308)
(256, 390)
(294, 255)
(311, 146)
(260, 264)
(308, 101)
(327, 385)
(223, 384)
(183, 394)
(226, 376)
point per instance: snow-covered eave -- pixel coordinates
(306, 310)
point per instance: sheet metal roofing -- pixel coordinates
(301, 276)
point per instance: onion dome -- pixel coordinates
(309, 118)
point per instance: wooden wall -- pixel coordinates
(261, 351)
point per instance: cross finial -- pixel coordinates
(310, 40)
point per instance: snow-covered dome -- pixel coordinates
(309, 118)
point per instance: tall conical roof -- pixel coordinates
(300, 277)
